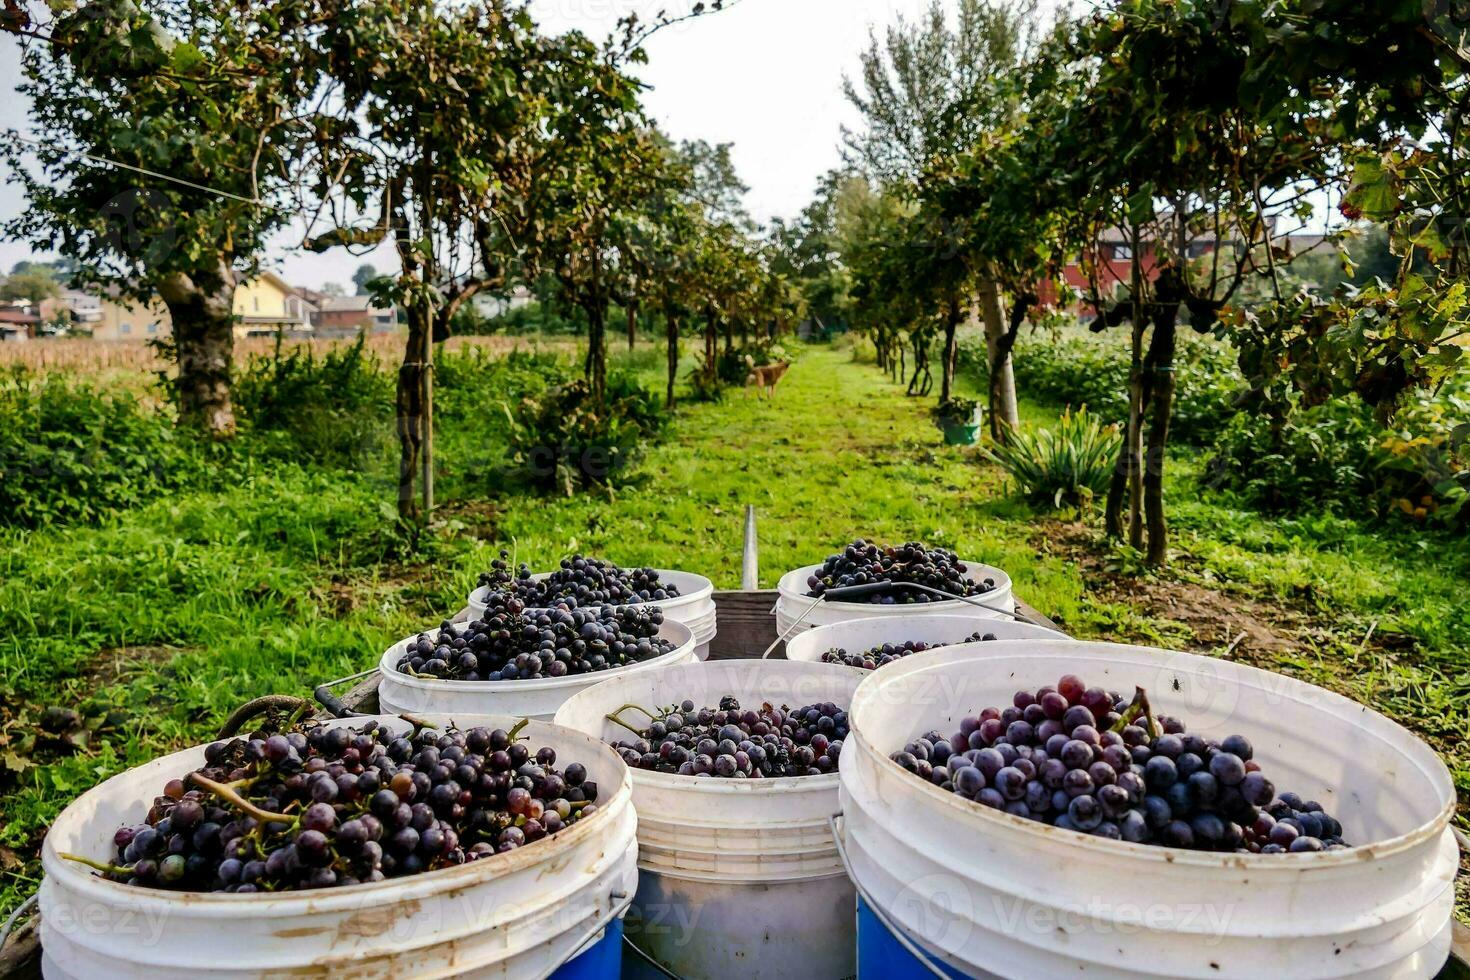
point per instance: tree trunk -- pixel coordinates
(1006, 343)
(1161, 404)
(201, 309)
(711, 341)
(1135, 402)
(1004, 415)
(596, 367)
(632, 323)
(729, 336)
(1114, 522)
(671, 327)
(1117, 490)
(411, 407)
(951, 348)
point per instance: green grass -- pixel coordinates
(156, 625)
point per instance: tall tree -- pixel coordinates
(926, 92)
(171, 135)
(31, 286)
(1158, 138)
(440, 182)
(365, 274)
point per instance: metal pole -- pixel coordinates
(750, 565)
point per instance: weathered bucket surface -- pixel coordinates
(511, 915)
(986, 892)
(736, 875)
(792, 601)
(536, 697)
(856, 635)
(694, 606)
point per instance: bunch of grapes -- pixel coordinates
(579, 582)
(337, 806)
(518, 643)
(887, 653)
(1084, 759)
(729, 742)
(861, 563)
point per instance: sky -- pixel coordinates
(765, 75)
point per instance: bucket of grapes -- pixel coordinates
(364, 846)
(582, 581)
(867, 644)
(734, 769)
(526, 662)
(1171, 814)
(866, 579)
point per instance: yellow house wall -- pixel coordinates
(130, 321)
(260, 297)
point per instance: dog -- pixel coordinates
(766, 377)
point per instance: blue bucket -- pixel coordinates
(880, 954)
(603, 960)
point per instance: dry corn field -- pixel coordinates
(118, 359)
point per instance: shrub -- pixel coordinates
(1338, 457)
(470, 383)
(70, 452)
(1070, 464)
(335, 408)
(1077, 371)
(705, 382)
(562, 439)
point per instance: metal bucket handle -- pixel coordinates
(847, 592)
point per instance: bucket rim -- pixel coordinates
(702, 588)
(80, 880)
(1427, 760)
(672, 630)
(792, 586)
(898, 622)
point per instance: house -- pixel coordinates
(78, 307)
(348, 316)
(267, 305)
(262, 306)
(1113, 260)
(129, 319)
(18, 323)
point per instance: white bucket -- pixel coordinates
(694, 606)
(534, 697)
(990, 894)
(857, 635)
(506, 916)
(734, 872)
(792, 601)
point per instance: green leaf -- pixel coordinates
(1141, 205)
(1429, 239)
(186, 57)
(1374, 192)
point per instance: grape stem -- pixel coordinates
(618, 721)
(651, 715)
(226, 793)
(244, 782)
(516, 728)
(1139, 706)
(112, 869)
(297, 716)
(418, 723)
